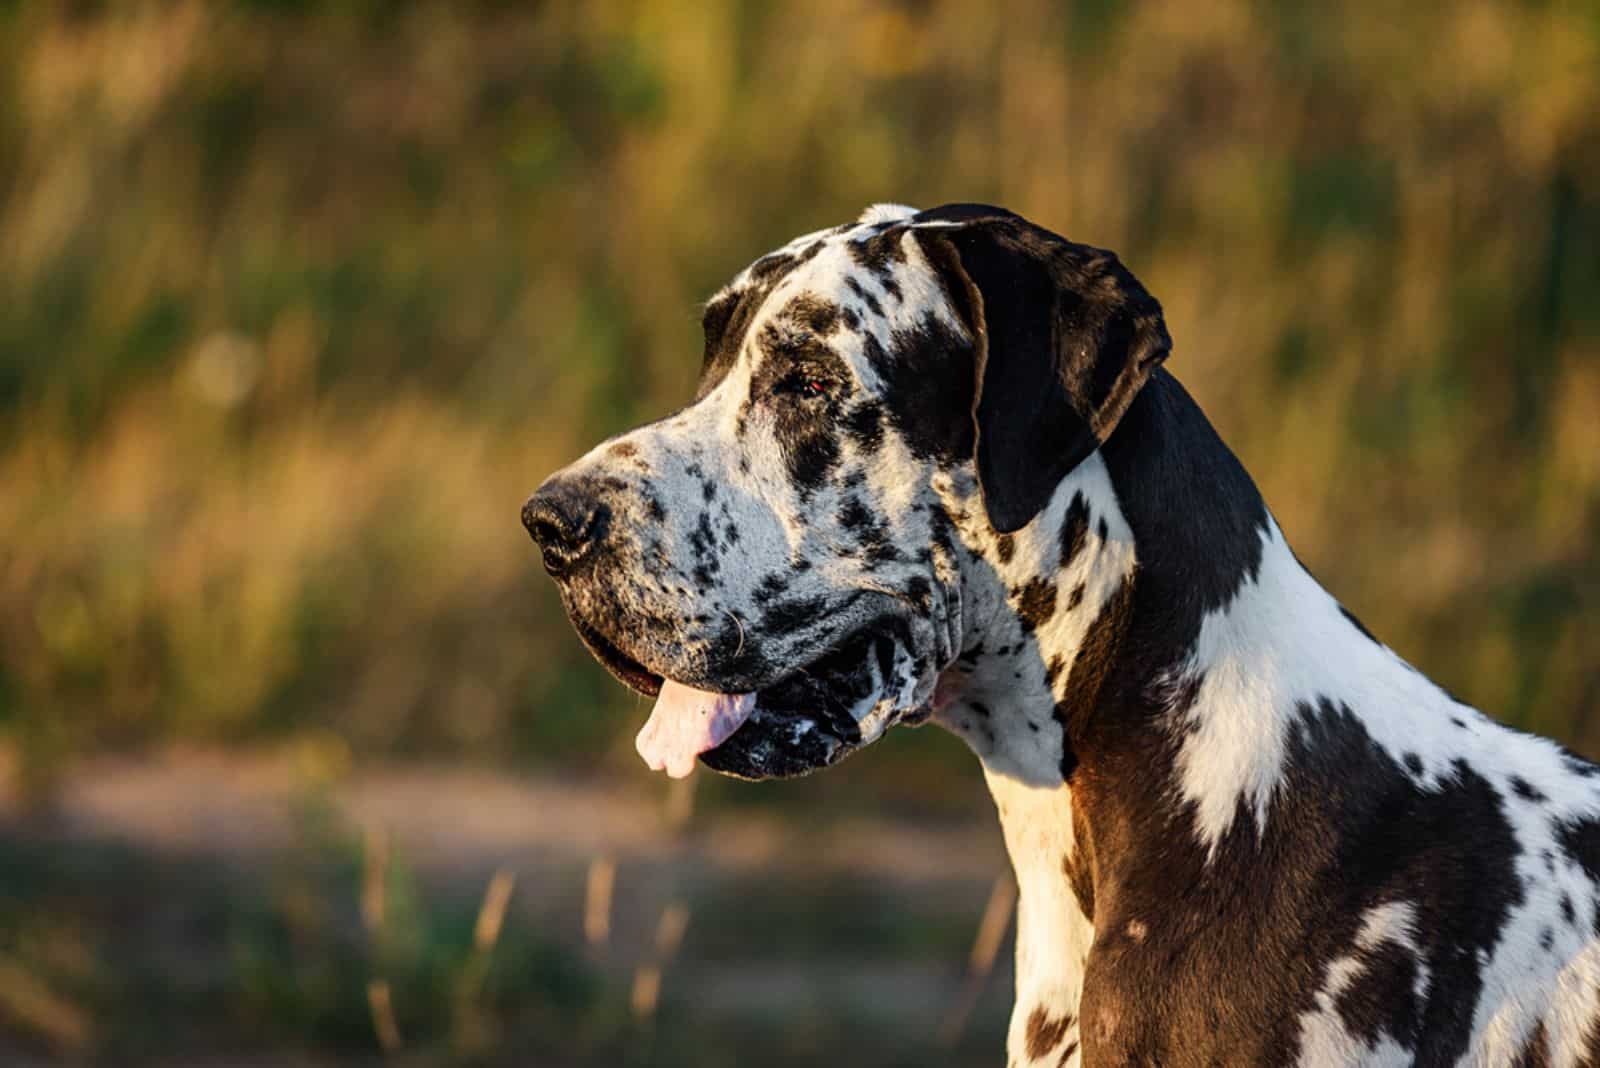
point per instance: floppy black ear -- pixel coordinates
(1065, 338)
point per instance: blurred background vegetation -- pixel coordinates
(299, 300)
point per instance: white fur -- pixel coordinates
(1053, 935)
(878, 213)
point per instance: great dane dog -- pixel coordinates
(935, 470)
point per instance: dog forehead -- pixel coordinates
(867, 278)
(857, 290)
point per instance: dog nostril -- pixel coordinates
(566, 524)
(546, 534)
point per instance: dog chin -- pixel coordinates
(817, 716)
(780, 745)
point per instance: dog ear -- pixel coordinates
(1065, 337)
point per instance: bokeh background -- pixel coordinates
(299, 300)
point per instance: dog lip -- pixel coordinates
(823, 704)
(624, 668)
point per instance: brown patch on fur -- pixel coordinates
(1076, 869)
(1045, 1034)
(1036, 603)
(1535, 1052)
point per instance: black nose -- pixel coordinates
(568, 521)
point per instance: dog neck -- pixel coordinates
(1091, 634)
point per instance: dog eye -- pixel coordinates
(811, 387)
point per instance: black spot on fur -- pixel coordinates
(786, 617)
(1075, 598)
(1356, 623)
(1413, 763)
(814, 313)
(881, 252)
(1579, 839)
(703, 547)
(1006, 546)
(870, 531)
(1526, 790)
(865, 297)
(928, 374)
(864, 425)
(772, 267)
(1578, 766)
(1101, 530)
(1074, 529)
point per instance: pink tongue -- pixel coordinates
(686, 722)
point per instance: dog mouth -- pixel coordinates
(807, 719)
(624, 668)
(814, 717)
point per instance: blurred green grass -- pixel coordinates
(299, 300)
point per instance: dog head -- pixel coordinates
(781, 561)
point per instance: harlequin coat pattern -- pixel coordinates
(935, 470)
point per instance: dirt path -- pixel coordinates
(781, 917)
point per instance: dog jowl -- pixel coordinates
(783, 562)
(935, 469)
